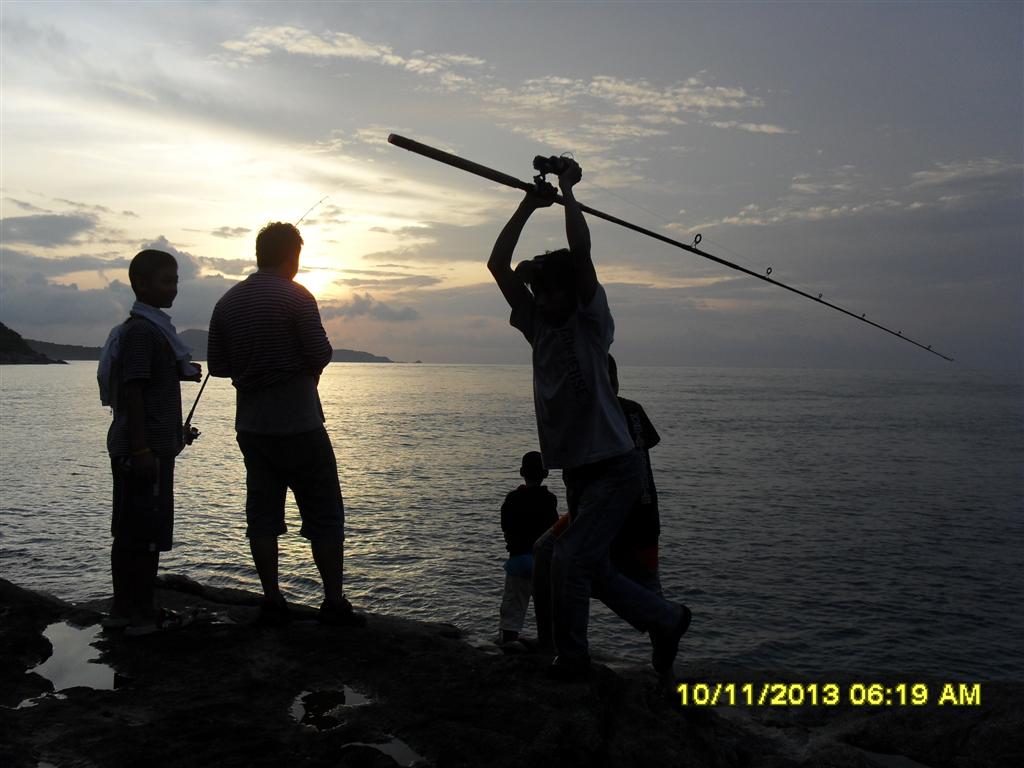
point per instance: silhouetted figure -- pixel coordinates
(565, 317)
(266, 334)
(526, 514)
(140, 370)
(635, 549)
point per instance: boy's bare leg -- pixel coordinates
(264, 557)
(329, 556)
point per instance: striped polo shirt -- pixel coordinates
(266, 335)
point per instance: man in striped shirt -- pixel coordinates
(266, 335)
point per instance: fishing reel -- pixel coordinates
(555, 165)
(545, 165)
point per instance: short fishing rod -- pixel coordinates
(189, 432)
(543, 165)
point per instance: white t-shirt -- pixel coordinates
(579, 421)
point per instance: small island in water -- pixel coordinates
(16, 350)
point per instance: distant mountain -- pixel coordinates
(16, 350)
(194, 337)
(64, 351)
(197, 340)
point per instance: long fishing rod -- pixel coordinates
(314, 205)
(511, 181)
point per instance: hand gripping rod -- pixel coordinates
(511, 181)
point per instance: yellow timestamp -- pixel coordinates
(772, 694)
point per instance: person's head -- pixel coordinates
(613, 374)
(552, 280)
(533, 470)
(278, 246)
(154, 277)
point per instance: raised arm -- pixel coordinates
(500, 262)
(578, 234)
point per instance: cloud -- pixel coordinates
(836, 180)
(750, 127)
(368, 306)
(843, 192)
(26, 206)
(263, 41)
(590, 116)
(27, 264)
(227, 266)
(230, 232)
(47, 229)
(948, 173)
(400, 281)
(188, 265)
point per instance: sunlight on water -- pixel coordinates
(814, 520)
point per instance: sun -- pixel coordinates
(319, 281)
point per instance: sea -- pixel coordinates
(815, 521)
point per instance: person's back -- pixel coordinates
(526, 514)
(267, 329)
(266, 335)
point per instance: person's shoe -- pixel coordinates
(665, 645)
(274, 612)
(339, 613)
(569, 669)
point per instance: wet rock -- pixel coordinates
(222, 692)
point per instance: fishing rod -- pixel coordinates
(314, 205)
(191, 433)
(511, 181)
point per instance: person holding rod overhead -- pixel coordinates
(561, 309)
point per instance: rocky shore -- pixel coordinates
(222, 692)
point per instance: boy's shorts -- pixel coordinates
(303, 462)
(143, 516)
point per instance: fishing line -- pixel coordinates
(511, 181)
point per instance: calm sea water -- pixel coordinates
(814, 521)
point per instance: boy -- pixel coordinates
(141, 367)
(527, 513)
(565, 317)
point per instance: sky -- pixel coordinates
(870, 152)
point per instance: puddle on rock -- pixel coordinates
(325, 710)
(396, 749)
(74, 662)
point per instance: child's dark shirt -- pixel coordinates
(146, 356)
(643, 526)
(525, 515)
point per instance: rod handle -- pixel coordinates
(459, 162)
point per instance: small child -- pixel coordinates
(528, 511)
(141, 367)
